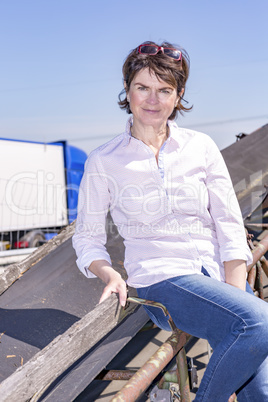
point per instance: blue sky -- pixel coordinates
(61, 60)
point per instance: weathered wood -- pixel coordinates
(47, 299)
(53, 270)
(12, 272)
(114, 245)
(82, 374)
(61, 353)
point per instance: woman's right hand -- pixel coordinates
(116, 285)
(113, 280)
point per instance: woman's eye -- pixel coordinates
(165, 91)
(142, 88)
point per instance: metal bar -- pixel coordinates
(147, 373)
(258, 225)
(138, 300)
(259, 250)
(259, 281)
(264, 264)
(111, 375)
(168, 377)
(183, 377)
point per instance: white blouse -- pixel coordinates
(175, 216)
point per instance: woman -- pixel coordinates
(171, 197)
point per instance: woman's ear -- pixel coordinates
(179, 97)
(181, 93)
(125, 86)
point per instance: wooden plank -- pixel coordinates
(61, 353)
(114, 246)
(53, 360)
(47, 299)
(12, 272)
(82, 374)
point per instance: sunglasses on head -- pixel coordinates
(154, 49)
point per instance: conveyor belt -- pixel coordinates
(47, 300)
(42, 304)
(248, 166)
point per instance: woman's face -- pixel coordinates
(151, 100)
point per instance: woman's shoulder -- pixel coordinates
(185, 134)
(107, 147)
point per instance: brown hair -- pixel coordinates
(172, 71)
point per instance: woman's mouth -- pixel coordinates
(151, 111)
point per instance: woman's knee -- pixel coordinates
(257, 326)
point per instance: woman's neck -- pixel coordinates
(151, 136)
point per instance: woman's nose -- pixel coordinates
(152, 97)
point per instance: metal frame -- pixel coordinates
(173, 346)
(139, 381)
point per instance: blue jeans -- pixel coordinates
(234, 322)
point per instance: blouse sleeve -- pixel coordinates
(224, 208)
(93, 203)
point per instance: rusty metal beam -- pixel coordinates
(264, 264)
(112, 375)
(257, 225)
(259, 250)
(141, 380)
(183, 376)
(259, 281)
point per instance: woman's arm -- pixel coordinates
(236, 273)
(113, 280)
(225, 211)
(90, 231)
(93, 204)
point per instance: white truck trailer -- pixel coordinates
(39, 185)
